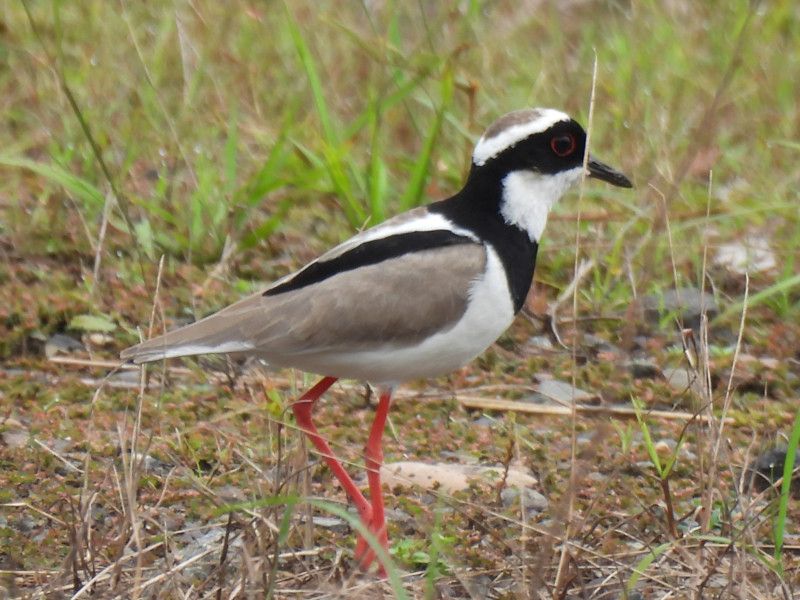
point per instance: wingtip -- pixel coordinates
(138, 355)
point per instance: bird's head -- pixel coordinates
(537, 154)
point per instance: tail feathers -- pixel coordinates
(159, 349)
(253, 322)
(233, 329)
(215, 334)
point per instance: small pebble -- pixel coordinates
(665, 446)
(643, 369)
(687, 302)
(563, 392)
(534, 502)
(539, 342)
(679, 379)
(61, 344)
(332, 523)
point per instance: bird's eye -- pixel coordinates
(563, 145)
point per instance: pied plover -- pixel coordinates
(417, 296)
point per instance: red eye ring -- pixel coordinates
(563, 145)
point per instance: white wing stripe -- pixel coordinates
(427, 221)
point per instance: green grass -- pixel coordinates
(239, 140)
(787, 476)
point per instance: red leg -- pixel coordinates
(302, 413)
(374, 459)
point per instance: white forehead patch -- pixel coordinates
(512, 128)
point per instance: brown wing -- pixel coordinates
(401, 300)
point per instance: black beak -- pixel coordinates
(602, 171)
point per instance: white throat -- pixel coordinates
(529, 196)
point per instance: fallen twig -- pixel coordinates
(556, 410)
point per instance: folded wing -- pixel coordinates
(361, 298)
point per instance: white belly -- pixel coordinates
(489, 313)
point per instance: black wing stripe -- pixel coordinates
(370, 253)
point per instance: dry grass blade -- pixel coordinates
(560, 582)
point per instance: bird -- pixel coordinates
(417, 296)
